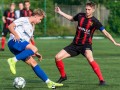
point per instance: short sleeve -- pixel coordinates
(19, 21)
(5, 13)
(99, 26)
(75, 18)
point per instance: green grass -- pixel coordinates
(79, 72)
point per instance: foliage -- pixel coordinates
(113, 22)
(69, 2)
(52, 25)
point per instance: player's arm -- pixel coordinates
(12, 30)
(11, 19)
(4, 16)
(109, 37)
(3, 19)
(102, 29)
(58, 10)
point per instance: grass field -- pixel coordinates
(80, 74)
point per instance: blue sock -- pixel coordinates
(40, 73)
(24, 54)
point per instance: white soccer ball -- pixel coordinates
(19, 82)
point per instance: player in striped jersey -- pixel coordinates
(8, 17)
(27, 12)
(82, 42)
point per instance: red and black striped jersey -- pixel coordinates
(8, 15)
(27, 13)
(86, 28)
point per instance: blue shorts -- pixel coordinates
(17, 47)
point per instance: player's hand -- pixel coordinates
(117, 44)
(39, 56)
(4, 21)
(11, 19)
(16, 38)
(57, 10)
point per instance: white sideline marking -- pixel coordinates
(85, 58)
(81, 58)
(66, 37)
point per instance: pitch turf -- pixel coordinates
(80, 74)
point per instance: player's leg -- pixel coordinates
(40, 73)
(68, 51)
(89, 56)
(3, 39)
(20, 52)
(32, 41)
(23, 47)
(36, 68)
(60, 65)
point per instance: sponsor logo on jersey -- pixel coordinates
(83, 29)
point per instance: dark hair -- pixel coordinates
(20, 2)
(91, 4)
(26, 1)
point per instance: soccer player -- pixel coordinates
(8, 17)
(27, 12)
(82, 43)
(19, 13)
(21, 32)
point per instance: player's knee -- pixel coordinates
(90, 59)
(34, 49)
(32, 63)
(57, 57)
(3, 37)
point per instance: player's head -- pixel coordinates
(90, 8)
(12, 6)
(20, 5)
(27, 4)
(38, 15)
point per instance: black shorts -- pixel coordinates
(75, 50)
(5, 32)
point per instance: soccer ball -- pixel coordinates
(19, 82)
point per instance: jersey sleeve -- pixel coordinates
(5, 13)
(19, 21)
(99, 26)
(75, 18)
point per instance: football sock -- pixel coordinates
(33, 43)
(47, 81)
(40, 73)
(24, 54)
(60, 66)
(3, 43)
(97, 70)
(15, 59)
